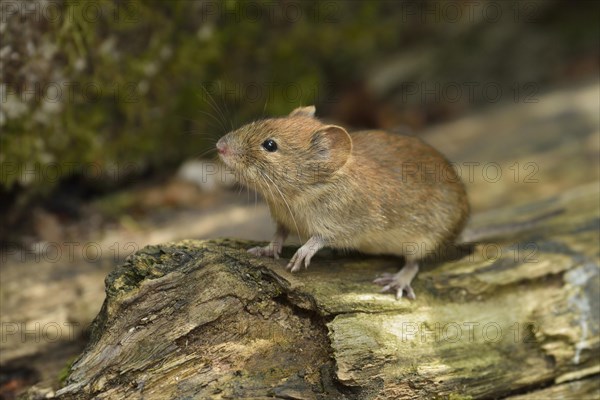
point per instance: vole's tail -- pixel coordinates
(499, 230)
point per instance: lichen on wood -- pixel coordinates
(205, 319)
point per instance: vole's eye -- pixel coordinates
(269, 145)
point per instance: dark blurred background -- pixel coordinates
(109, 107)
(100, 94)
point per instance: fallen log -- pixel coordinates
(517, 318)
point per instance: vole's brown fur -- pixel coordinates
(372, 191)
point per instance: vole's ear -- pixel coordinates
(333, 146)
(304, 112)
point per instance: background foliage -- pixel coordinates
(110, 89)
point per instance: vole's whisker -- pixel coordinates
(205, 153)
(265, 106)
(229, 113)
(255, 196)
(287, 205)
(224, 111)
(211, 101)
(214, 118)
(268, 187)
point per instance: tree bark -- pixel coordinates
(516, 318)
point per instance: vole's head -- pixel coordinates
(289, 152)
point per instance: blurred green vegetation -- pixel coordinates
(151, 83)
(124, 87)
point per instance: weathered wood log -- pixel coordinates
(203, 319)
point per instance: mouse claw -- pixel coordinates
(270, 250)
(384, 279)
(255, 251)
(305, 253)
(293, 265)
(398, 283)
(410, 293)
(400, 290)
(307, 260)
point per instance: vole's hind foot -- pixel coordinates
(400, 288)
(274, 248)
(384, 279)
(305, 253)
(400, 281)
(270, 250)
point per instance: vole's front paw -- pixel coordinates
(270, 250)
(398, 283)
(296, 262)
(305, 253)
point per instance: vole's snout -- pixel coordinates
(222, 147)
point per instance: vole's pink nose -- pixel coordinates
(222, 147)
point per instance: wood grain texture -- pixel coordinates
(517, 318)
